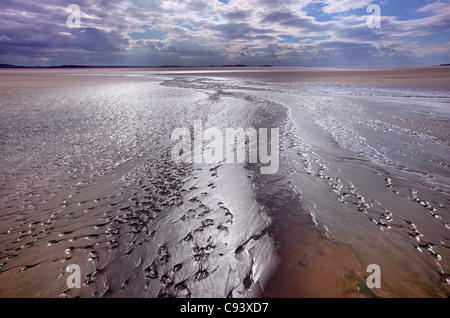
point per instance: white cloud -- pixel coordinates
(334, 6)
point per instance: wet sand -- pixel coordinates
(426, 76)
(435, 76)
(86, 179)
(311, 265)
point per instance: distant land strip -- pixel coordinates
(119, 66)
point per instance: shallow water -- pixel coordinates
(87, 178)
(376, 179)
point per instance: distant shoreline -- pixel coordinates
(2, 66)
(123, 66)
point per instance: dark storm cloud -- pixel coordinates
(235, 31)
(278, 17)
(30, 27)
(238, 15)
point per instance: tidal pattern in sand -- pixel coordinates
(87, 178)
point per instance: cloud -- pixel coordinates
(333, 6)
(190, 32)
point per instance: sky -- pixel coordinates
(219, 32)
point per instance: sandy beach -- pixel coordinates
(87, 178)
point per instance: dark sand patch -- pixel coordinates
(313, 266)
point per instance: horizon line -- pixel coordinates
(6, 66)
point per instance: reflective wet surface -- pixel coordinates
(87, 178)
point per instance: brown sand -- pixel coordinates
(431, 76)
(313, 266)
